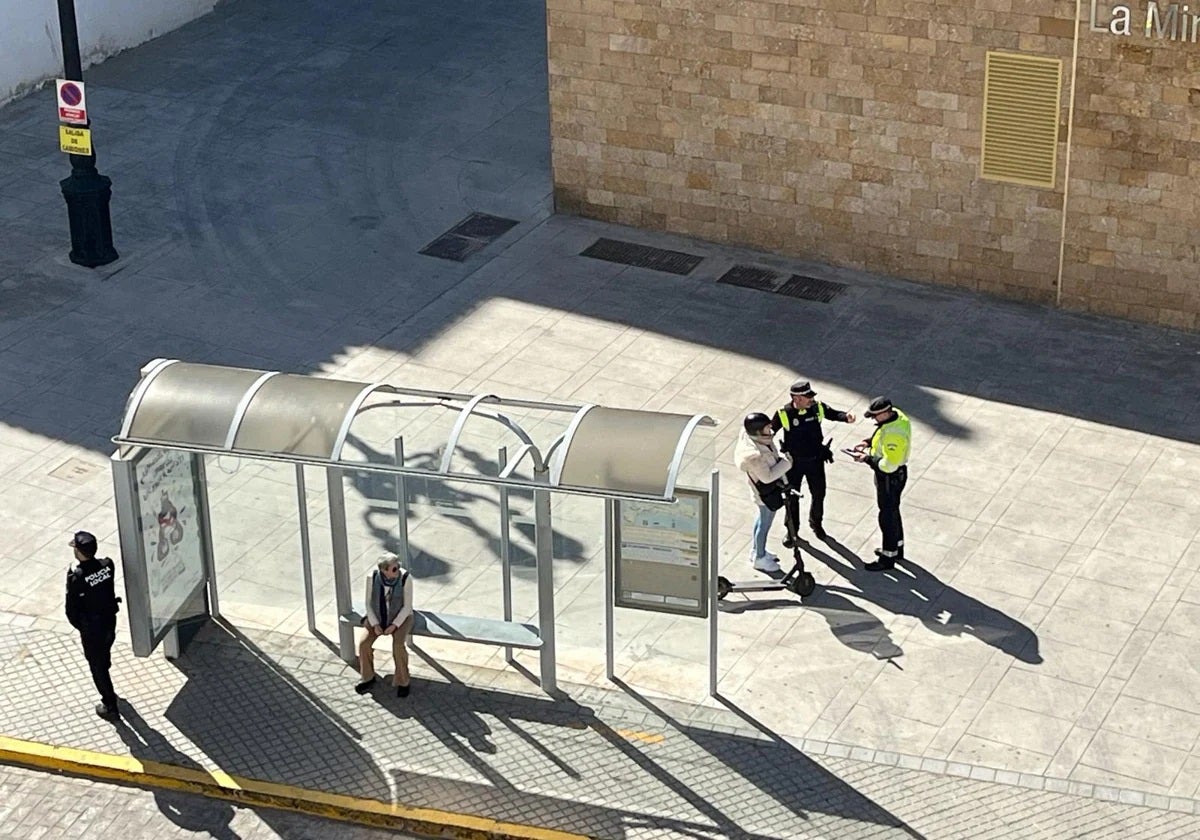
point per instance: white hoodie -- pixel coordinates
(760, 461)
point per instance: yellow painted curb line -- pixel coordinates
(218, 784)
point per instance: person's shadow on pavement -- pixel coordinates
(187, 811)
(853, 626)
(911, 590)
(850, 624)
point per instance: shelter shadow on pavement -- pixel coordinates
(910, 589)
(765, 789)
(251, 718)
(190, 813)
(758, 769)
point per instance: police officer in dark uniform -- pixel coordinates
(92, 610)
(800, 421)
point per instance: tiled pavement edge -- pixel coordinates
(598, 763)
(35, 805)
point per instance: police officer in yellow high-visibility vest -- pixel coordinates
(800, 421)
(886, 451)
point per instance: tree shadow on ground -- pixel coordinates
(449, 499)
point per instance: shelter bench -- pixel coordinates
(462, 628)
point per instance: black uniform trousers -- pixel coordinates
(888, 487)
(811, 470)
(98, 637)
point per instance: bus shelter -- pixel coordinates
(661, 554)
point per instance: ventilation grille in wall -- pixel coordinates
(1020, 118)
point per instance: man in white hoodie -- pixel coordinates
(756, 455)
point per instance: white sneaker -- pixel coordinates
(767, 563)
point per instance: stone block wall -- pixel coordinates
(850, 131)
(1133, 211)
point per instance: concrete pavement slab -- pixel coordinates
(276, 713)
(1051, 510)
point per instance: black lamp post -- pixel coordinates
(87, 191)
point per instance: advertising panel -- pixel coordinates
(164, 550)
(661, 554)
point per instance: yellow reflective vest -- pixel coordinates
(890, 443)
(785, 421)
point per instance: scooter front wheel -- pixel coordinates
(803, 584)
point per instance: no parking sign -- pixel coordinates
(72, 102)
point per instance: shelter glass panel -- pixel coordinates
(623, 450)
(191, 404)
(297, 415)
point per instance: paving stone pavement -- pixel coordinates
(629, 768)
(43, 806)
(1044, 629)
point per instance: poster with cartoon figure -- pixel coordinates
(171, 537)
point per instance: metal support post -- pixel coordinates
(401, 506)
(86, 191)
(544, 546)
(610, 560)
(505, 552)
(341, 561)
(714, 557)
(170, 643)
(305, 549)
(210, 561)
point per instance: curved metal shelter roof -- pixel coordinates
(305, 419)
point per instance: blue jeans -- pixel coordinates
(762, 524)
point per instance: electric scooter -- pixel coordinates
(797, 581)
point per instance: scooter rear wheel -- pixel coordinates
(724, 587)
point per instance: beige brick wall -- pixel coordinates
(849, 131)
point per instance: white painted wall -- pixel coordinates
(31, 50)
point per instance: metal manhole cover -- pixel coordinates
(468, 236)
(811, 288)
(450, 247)
(751, 277)
(642, 256)
(75, 471)
(483, 226)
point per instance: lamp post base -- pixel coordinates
(87, 194)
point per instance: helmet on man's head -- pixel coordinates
(756, 422)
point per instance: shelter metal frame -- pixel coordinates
(182, 406)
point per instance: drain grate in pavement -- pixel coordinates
(468, 236)
(751, 277)
(642, 256)
(811, 288)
